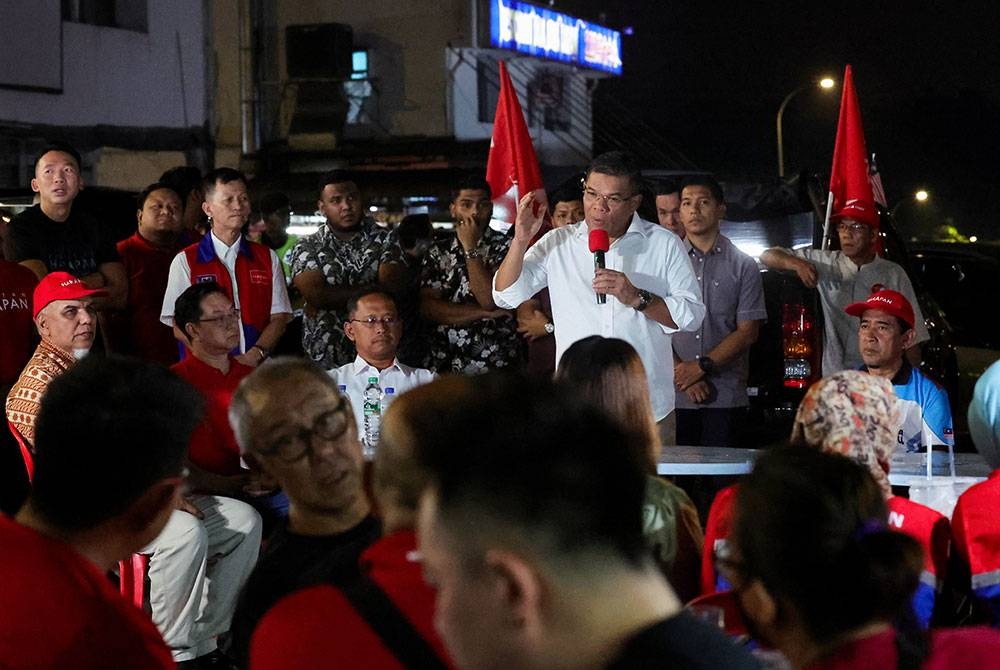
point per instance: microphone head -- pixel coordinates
(599, 240)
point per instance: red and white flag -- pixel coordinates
(850, 188)
(512, 168)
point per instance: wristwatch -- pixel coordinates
(550, 328)
(645, 297)
(474, 252)
(706, 364)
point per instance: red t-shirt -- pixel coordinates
(57, 610)
(950, 649)
(318, 628)
(138, 331)
(213, 445)
(17, 329)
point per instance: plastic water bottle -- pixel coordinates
(388, 395)
(372, 403)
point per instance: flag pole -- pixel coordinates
(826, 222)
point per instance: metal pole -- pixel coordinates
(781, 142)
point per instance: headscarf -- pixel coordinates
(984, 415)
(851, 413)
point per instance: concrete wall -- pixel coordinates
(554, 147)
(121, 77)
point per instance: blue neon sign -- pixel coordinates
(541, 32)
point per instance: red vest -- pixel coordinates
(253, 280)
(977, 539)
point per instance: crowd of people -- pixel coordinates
(198, 395)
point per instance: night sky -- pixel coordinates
(710, 75)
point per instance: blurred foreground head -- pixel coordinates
(528, 510)
(109, 430)
(813, 558)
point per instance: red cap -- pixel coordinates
(860, 211)
(60, 286)
(890, 302)
(599, 240)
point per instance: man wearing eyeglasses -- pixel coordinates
(648, 277)
(846, 277)
(375, 328)
(292, 422)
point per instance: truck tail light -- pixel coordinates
(799, 346)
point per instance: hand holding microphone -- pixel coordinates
(599, 244)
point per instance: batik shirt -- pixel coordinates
(353, 262)
(470, 348)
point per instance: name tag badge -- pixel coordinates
(204, 279)
(258, 277)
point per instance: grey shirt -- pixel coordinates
(841, 283)
(732, 291)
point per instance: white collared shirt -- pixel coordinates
(652, 258)
(398, 377)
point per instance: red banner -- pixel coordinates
(512, 168)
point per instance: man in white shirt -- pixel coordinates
(375, 328)
(250, 273)
(648, 276)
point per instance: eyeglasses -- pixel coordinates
(613, 201)
(852, 228)
(328, 426)
(227, 319)
(372, 321)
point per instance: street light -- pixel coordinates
(920, 196)
(826, 83)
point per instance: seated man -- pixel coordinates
(346, 625)
(67, 323)
(886, 333)
(293, 424)
(532, 533)
(96, 499)
(373, 324)
(211, 328)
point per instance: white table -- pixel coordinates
(706, 461)
(731, 461)
(910, 469)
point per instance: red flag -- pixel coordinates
(512, 168)
(850, 189)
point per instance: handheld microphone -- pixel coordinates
(599, 244)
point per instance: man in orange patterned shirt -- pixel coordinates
(67, 323)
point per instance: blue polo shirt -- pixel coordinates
(925, 414)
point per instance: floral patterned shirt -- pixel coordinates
(353, 262)
(470, 348)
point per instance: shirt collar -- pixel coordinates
(637, 225)
(361, 365)
(721, 241)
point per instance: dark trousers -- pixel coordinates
(709, 426)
